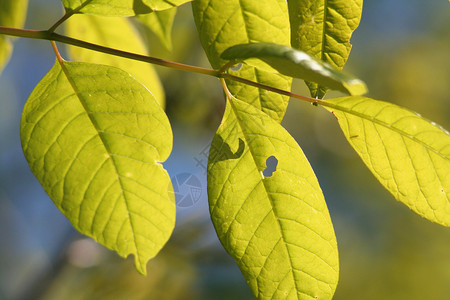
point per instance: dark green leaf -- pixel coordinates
(298, 64)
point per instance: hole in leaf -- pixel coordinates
(236, 67)
(271, 164)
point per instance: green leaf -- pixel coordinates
(94, 137)
(408, 154)
(222, 24)
(115, 33)
(12, 14)
(323, 29)
(297, 64)
(277, 228)
(119, 8)
(160, 23)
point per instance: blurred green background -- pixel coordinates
(401, 50)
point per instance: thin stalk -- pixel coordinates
(225, 89)
(134, 56)
(26, 33)
(58, 55)
(52, 36)
(67, 15)
(60, 21)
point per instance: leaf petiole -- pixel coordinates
(55, 48)
(67, 15)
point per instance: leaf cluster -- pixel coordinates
(95, 134)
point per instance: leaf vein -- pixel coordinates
(91, 180)
(149, 189)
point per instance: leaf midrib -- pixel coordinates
(255, 70)
(268, 196)
(322, 46)
(384, 124)
(325, 15)
(80, 98)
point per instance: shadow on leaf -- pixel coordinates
(140, 7)
(221, 150)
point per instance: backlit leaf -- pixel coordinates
(160, 23)
(115, 33)
(323, 29)
(222, 24)
(297, 64)
(119, 7)
(277, 228)
(408, 154)
(95, 139)
(12, 14)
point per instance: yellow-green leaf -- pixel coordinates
(12, 14)
(277, 228)
(297, 64)
(115, 33)
(323, 29)
(160, 23)
(118, 8)
(222, 24)
(408, 154)
(95, 138)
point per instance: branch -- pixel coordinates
(52, 36)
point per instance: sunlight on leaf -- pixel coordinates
(408, 154)
(222, 24)
(121, 8)
(94, 137)
(323, 29)
(277, 228)
(297, 64)
(115, 33)
(12, 14)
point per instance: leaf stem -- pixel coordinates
(225, 88)
(67, 15)
(52, 36)
(60, 21)
(58, 55)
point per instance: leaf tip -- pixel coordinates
(141, 265)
